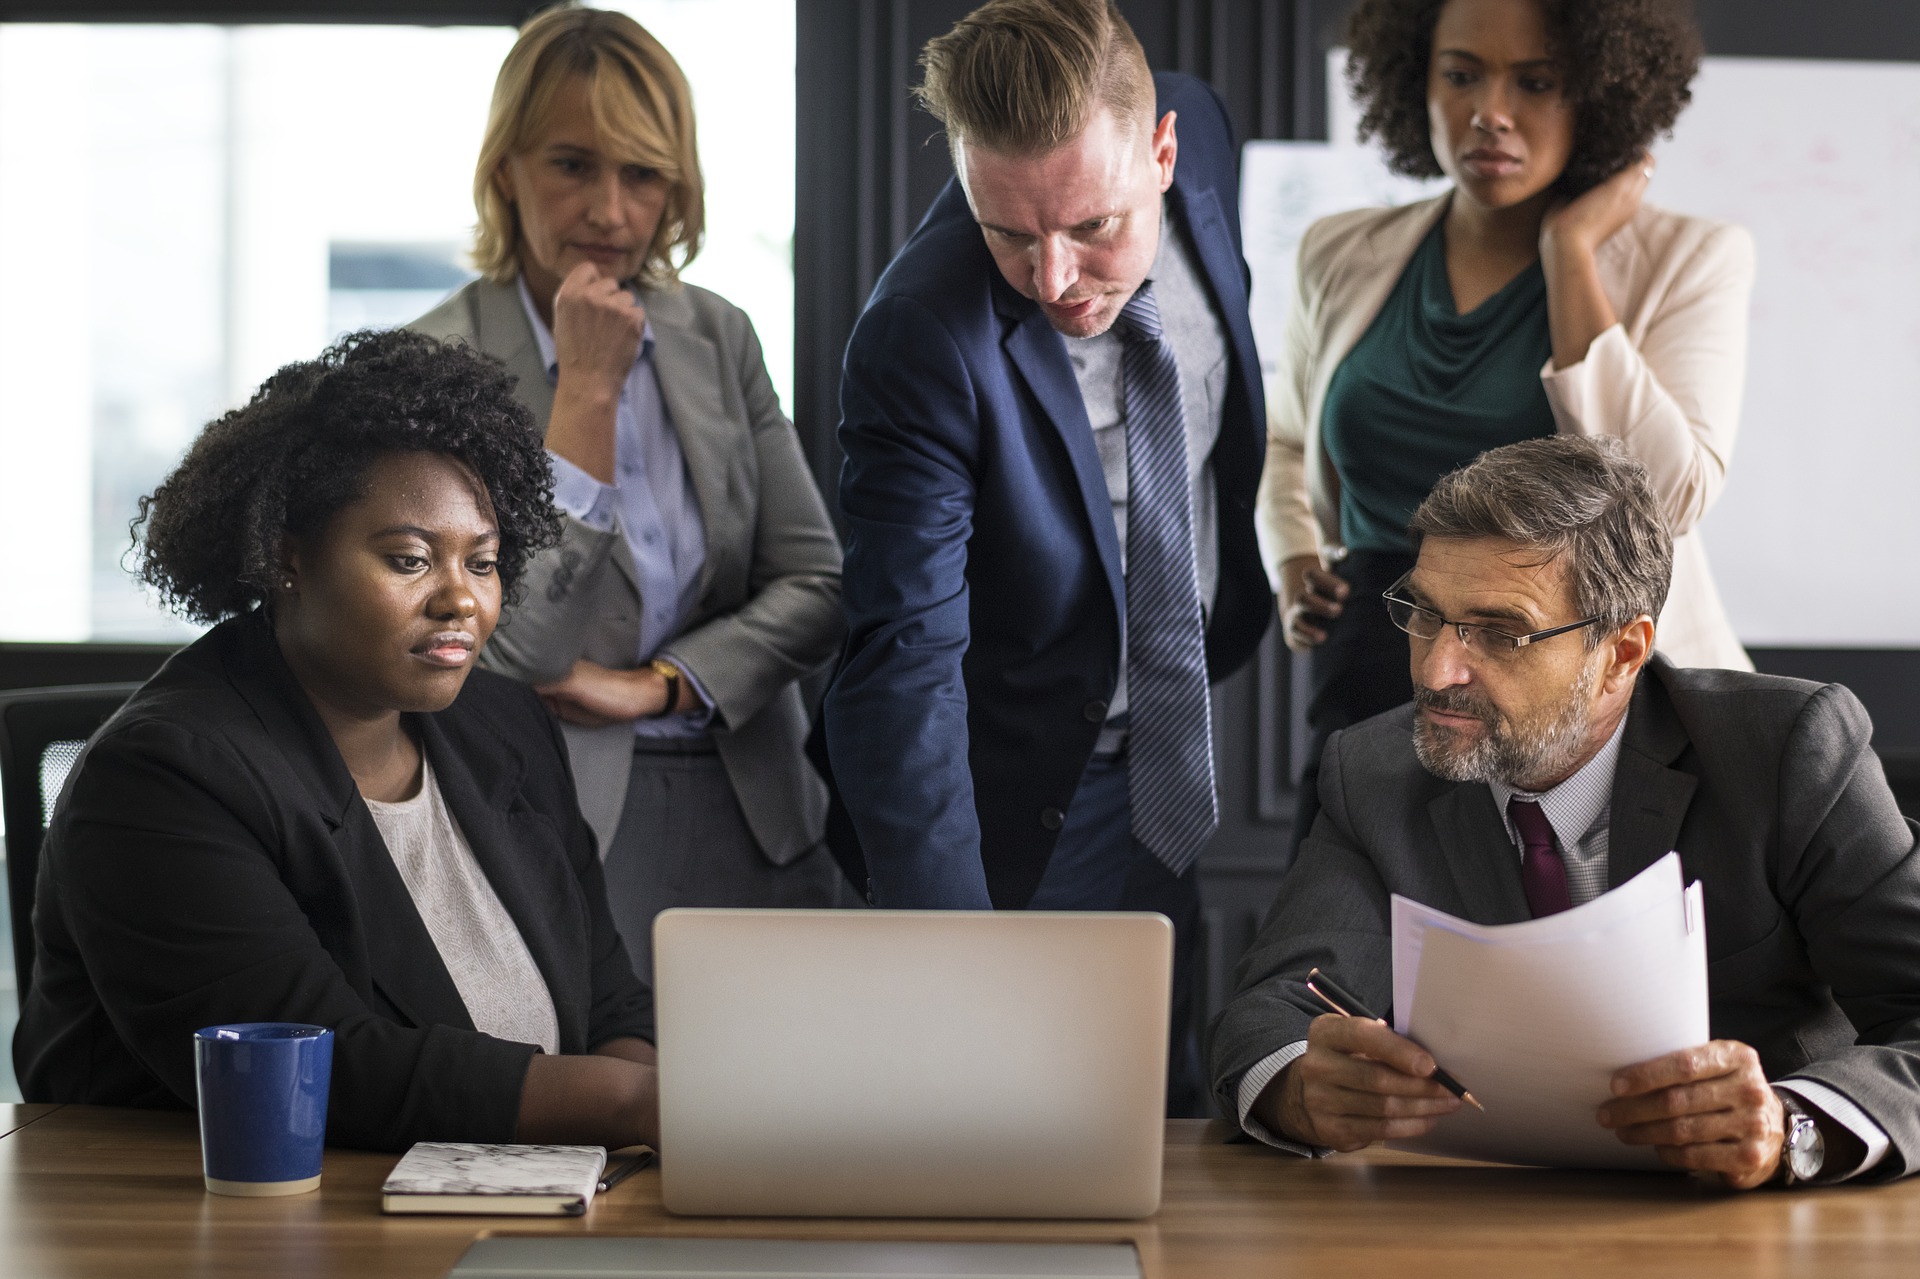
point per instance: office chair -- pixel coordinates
(42, 731)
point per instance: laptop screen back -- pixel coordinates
(912, 1063)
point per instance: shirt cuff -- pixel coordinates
(580, 495)
(1255, 1082)
(1842, 1111)
(702, 715)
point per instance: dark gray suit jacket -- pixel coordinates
(1768, 790)
(769, 606)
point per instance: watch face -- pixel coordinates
(1806, 1148)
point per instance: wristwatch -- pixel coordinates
(1803, 1151)
(671, 674)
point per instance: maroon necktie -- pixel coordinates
(1542, 874)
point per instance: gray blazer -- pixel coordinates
(769, 605)
(1770, 793)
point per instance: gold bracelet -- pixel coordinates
(671, 674)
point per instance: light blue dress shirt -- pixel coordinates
(652, 504)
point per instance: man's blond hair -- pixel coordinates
(642, 110)
(1021, 77)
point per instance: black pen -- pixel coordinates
(627, 1170)
(1354, 1008)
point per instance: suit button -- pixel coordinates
(1052, 818)
(1096, 711)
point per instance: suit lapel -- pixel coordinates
(405, 964)
(1650, 798)
(1220, 261)
(1474, 843)
(500, 325)
(1364, 284)
(1040, 354)
(480, 788)
(687, 366)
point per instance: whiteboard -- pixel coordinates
(1815, 537)
(1815, 540)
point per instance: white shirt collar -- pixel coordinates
(1573, 806)
(544, 336)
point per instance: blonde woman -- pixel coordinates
(698, 578)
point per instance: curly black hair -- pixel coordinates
(299, 452)
(1626, 64)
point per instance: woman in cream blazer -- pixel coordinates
(1667, 381)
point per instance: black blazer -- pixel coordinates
(210, 861)
(1768, 789)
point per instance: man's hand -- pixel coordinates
(594, 696)
(1356, 1084)
(597, 327)
(1707, 1109)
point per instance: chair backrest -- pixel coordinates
(42, 731)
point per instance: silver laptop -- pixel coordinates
(911, 1063)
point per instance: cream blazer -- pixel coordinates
(1666, 380)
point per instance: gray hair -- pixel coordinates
(1584, 502)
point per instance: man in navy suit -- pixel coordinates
(1054, 427)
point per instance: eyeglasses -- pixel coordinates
(1424, 623)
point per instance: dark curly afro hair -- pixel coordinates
(1626, 63)
(300, 450)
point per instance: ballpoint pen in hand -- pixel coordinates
(1347, 1006)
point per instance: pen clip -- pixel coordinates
(1324, 998)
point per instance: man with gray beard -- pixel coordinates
(1551, 754)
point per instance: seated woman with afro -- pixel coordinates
(321, 811)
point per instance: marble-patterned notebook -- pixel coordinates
(455, 1176)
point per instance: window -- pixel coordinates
(188, 207)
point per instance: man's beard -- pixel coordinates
(1516, 754)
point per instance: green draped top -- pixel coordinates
(1426, 390)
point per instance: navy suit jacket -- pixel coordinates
(982, 581)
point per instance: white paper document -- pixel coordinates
(1534, 1018)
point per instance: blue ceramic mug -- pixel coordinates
(263, 1105)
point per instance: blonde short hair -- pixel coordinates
(1021, 77)
(641, 107)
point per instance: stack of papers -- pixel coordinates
(1534, 1018)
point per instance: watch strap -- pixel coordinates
(670, 674)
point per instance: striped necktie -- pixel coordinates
(1170, 746)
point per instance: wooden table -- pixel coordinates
(92, 1191)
